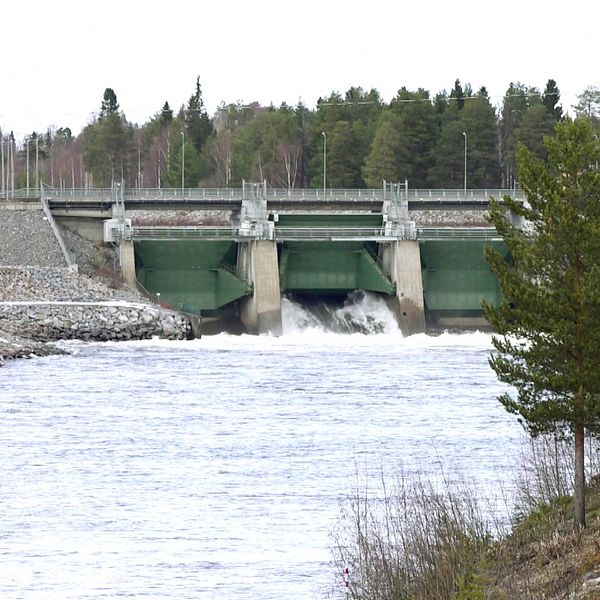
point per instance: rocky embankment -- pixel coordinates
(42, 301)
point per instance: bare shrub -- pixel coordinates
(415, 540)
(545, 471)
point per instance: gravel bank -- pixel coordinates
(14, 346)
(93, 321)
(42, 300)
(449, 218)
(26, 238)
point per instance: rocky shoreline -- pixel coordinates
(29, 328)
(46, 303)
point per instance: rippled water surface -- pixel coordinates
(214, 468)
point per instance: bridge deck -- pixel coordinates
(231, 198)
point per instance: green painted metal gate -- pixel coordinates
(197, 276)
(456, 276)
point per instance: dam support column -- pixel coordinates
(258, 264)
(402, 259)
(127, 262)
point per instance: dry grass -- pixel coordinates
(543, 557)
(415, 540)
(420, 541)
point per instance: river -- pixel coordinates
(215, 468)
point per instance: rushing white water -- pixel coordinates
(361, 313)
(214, 468)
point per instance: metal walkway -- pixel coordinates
(332, 234)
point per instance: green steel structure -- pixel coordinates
(331, 267)
(196, 276)
(199, 275)
(456, 277)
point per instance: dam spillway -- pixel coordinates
(424, 256)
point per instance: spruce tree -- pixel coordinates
(547, 325)
(109, 105)
(551, 99)
(198, 125)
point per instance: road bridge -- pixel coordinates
(231, 198)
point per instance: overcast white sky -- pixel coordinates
(57, 57)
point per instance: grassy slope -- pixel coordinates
(543, 558)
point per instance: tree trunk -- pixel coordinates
(579, 498)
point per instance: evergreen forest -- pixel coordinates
(363, 140)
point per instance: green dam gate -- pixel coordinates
(204, 276)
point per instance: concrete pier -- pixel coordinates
(258, 263)
(127, 262)
(403, 262)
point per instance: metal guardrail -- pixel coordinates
(333, 234)
(182, 233)
(454, 233)
(282, 195)
(380, 234)
(280, 234)
(459, 194)
(63, 248)
(310, 233)
(20, 193)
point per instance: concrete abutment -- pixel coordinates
(402, 260)
(127, 262)
(258, 264)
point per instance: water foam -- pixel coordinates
(362, 312)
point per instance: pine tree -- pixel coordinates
(447, 170)
(107, 143)
(536, 123)
(166, 114)
(418, 134)
(109, 105)
(198, 125)
(382, 162)
(517, 100)
(551, 99)
(458, 95)
(547, 326)
(479, 122)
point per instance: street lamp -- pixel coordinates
(464, 133)
(182, 163)
(324, 161)
(37, 163)
(27, 141)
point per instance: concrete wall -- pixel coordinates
(258, 264)
(127, 262)
(402, 260)
(91, 229)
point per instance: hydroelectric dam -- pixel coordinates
(230, 255)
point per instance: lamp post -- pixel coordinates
(27, 179)
(324, 134)
(182, 163)
(465, 182)
(37, 162)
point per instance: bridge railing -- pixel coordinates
(341, 233)
(290, 195)
(306, 234)
(459, 194)
(189, 232)
(31, 193)
(453, 233)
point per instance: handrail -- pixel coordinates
(441, 233)
(50, 218)
(280, 233)
(296, 195)
(380, 234)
